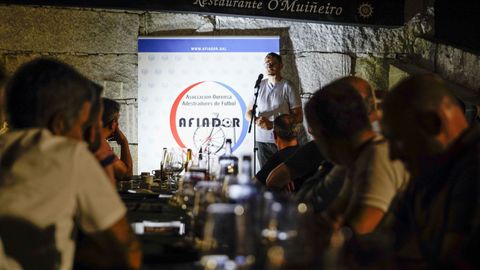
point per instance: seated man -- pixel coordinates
(321, 189)
(339, 122)
(437, 221)
(285, 136)
(92, 135)
(50, 184)
(123, 166)
(301, 165)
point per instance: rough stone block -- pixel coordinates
(119, 71)
(161, 21)
(318, 69)
(117, 74)
(378, 41)
(374, 70)
(327, 37)
(424, 53)
(297, 32)
(129, 119)
(239, 23)
(38, 29)
(421, 24)
(322, 37)
(134, 152)
(400, 71)
(458, 66)
(290, 69)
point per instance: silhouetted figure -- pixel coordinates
(436, 222)
(48, 177)
(339, 121)
(285, 134)
(122, 166)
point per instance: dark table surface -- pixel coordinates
(161, 251)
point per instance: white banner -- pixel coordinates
(194, 91)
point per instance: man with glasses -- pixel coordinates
(276, 96)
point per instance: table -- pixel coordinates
(161, 251)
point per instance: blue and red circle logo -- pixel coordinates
(205, 114)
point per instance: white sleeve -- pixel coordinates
(98, 204)
(380, 186)
(293, 96)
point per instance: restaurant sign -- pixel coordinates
(363, 12)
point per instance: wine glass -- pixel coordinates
(173, 166)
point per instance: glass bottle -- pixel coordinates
(241, 188)
(188, 160)
(245, 175)
(197, 170)
(162, 163)
(228, 162)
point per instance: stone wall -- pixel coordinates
(103, 45)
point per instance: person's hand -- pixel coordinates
(119, 137)
(264, 123)
(103, 151)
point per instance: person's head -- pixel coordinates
(337, 116)
(273, 64)
(111, 114)
(46, 93)
(421, 118)
(284, 129)
(93, 126)
(366, 91)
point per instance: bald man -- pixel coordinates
(308, 158)
(436, 223)
(340, 124)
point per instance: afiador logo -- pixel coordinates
(205, 114)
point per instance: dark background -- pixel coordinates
(386, 12)
(457, 23)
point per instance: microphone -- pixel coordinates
(257, 83)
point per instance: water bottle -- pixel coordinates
(228, 162)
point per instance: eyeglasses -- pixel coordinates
(267, 64)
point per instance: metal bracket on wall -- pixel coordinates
(127, 101)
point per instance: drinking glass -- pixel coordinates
(173, 166)
(287, 235)
(206, 193)
(219, 236)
